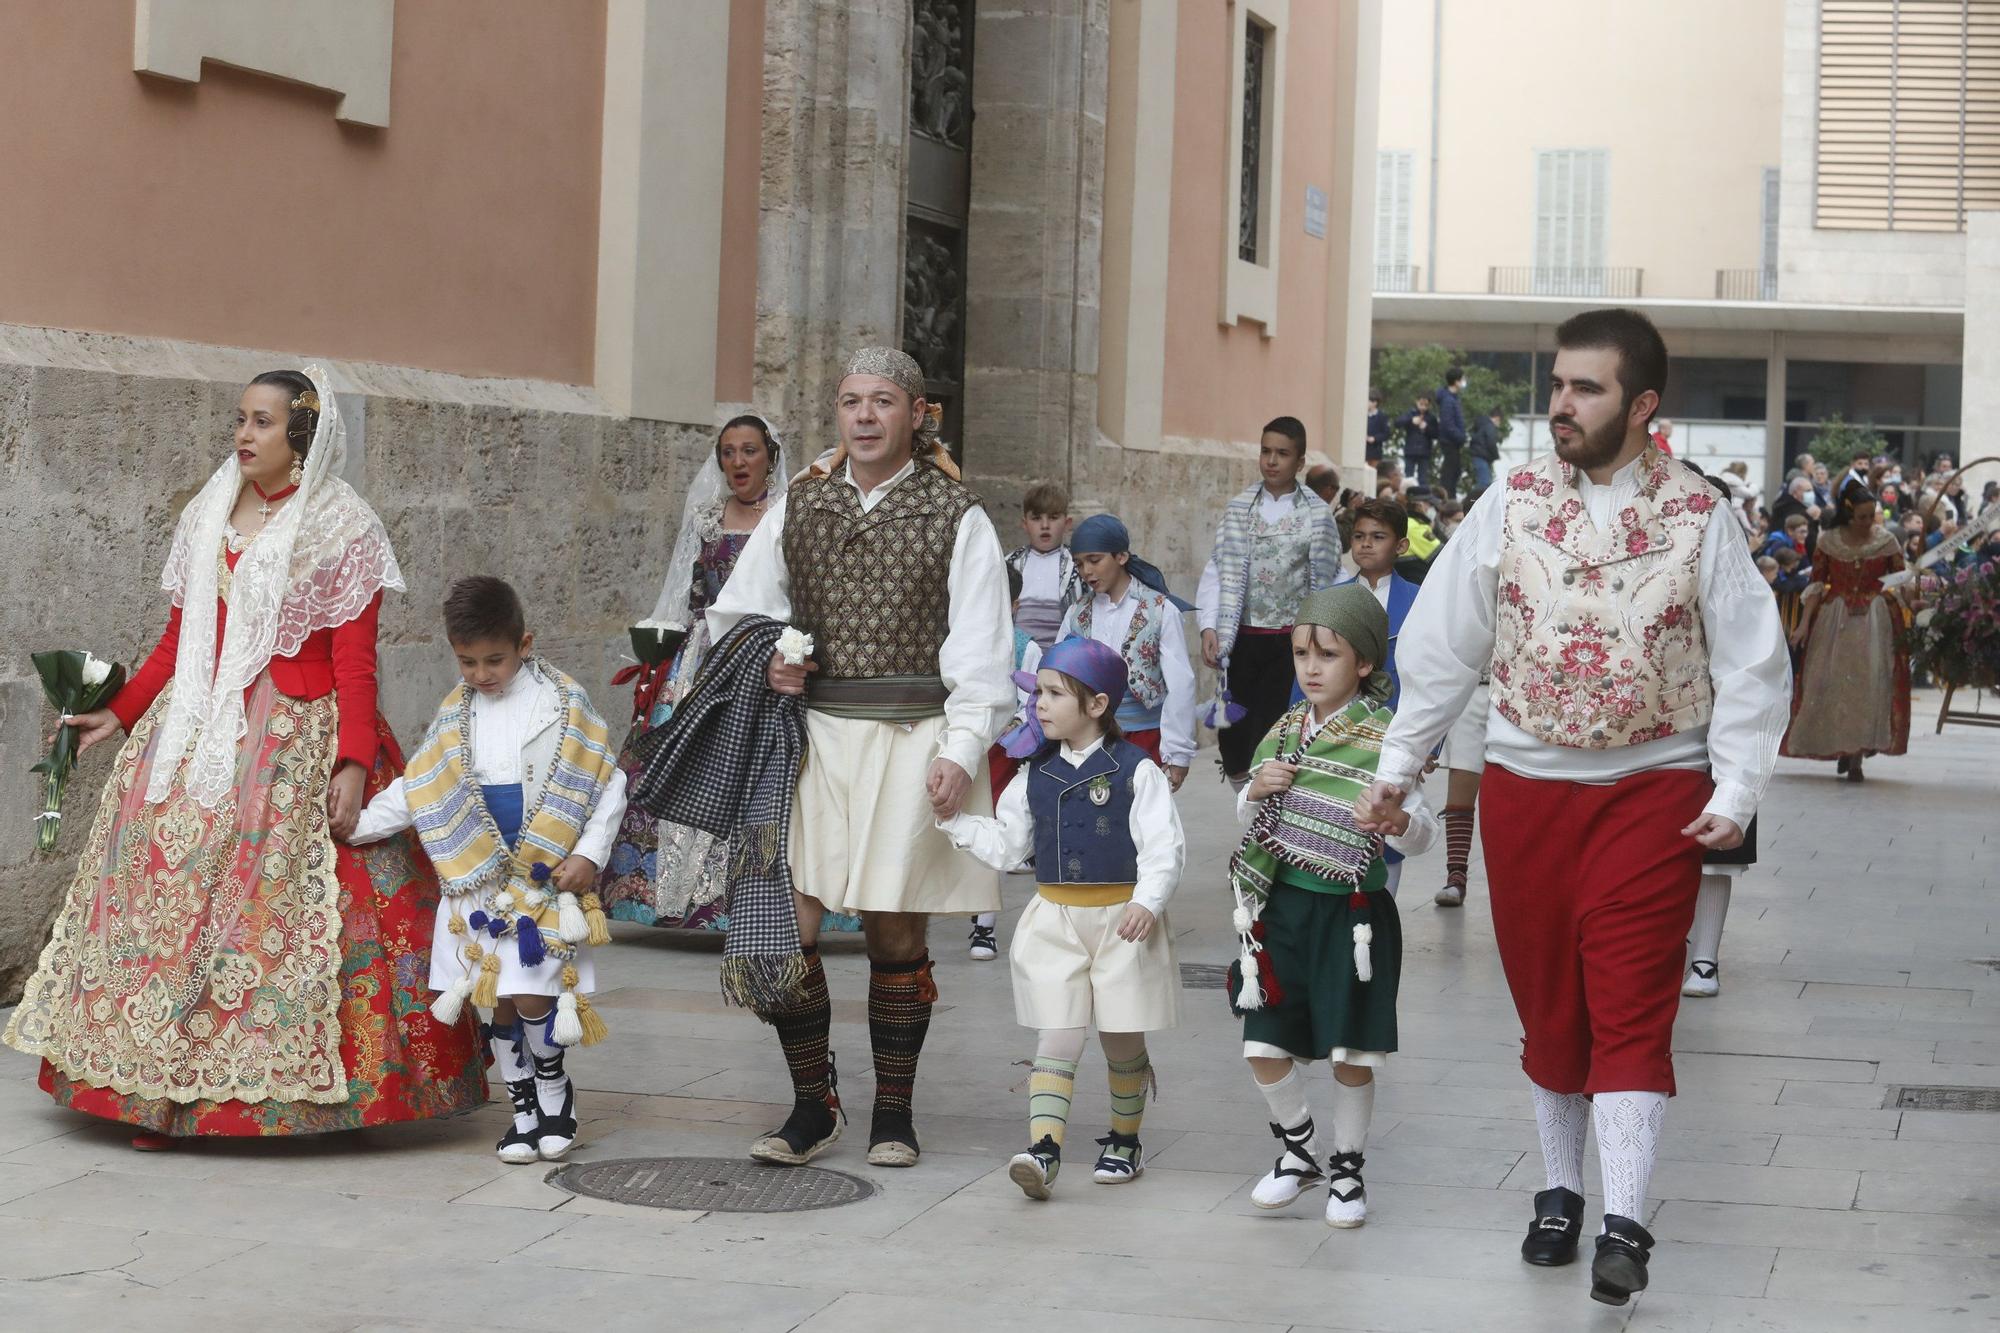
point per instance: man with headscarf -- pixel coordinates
(1131, 610)
(887, 561)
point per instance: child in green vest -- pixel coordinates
(1322, 943)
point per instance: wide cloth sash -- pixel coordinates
(879, 698)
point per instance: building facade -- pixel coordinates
(1787, 189)
(546, 249)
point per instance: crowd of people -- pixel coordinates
(280, 926)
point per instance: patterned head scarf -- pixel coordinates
(1098, 666)
(1106, 534)
(1352, 612)
(900, 369)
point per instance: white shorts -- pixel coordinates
(1071, 970)
(1465, 744)
(863, 839)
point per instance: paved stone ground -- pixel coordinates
(1858, 956)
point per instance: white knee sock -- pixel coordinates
(1287, 1100)
(1711, 905)
(985, 919)
(550, 1092)
(1563, 1118)
(1353, 1108)
(1628, 1139)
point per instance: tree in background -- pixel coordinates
(1401, 373)
(1839, 443)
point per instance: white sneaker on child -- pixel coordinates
(984, 945)
(1703, 980)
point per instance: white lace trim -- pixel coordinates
(317, 564)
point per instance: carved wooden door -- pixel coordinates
(939, 200)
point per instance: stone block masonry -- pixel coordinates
(104, 439)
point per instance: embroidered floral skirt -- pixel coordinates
(630, 886)
(1853, 694)
(231, 971)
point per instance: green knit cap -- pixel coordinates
(1352, 612)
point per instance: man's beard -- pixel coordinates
(1590, 449)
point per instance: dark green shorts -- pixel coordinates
(1322, 1003)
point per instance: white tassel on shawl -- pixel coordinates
(1364, 967)
(568, 1029)
(450, 1002)
(1251, 993)
(570, 924)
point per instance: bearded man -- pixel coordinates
(1640, 687)
(889, 563)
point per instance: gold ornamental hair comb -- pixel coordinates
(308, 400)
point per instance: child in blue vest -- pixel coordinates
(1093, 945)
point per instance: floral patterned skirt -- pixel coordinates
(630, 886)
(235, 972)
(1852, 696)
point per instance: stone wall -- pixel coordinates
(103, 440)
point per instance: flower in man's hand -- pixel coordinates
(794, 646)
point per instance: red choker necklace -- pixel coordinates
(264, 510)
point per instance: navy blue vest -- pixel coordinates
(1083, 816)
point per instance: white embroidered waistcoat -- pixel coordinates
(1598, 638)
(1146, 679)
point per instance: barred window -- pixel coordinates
(1571, 209)
(1909, 113)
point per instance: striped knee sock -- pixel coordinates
(802, 1031)
(1128, 1092)
(1457, 843)
(900, 996)
(1049, 1088)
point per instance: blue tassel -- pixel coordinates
(496, 926)
(539, 872)
(477, 920)
(529, 937)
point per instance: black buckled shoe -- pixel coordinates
(1557, 1227)
(1620, 1266)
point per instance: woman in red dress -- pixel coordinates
(1852, 697)
(221, 965)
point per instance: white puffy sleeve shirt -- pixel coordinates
(1447, 643)
(976, 659)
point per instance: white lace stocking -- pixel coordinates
(1563, 1118)
(1628, 1140)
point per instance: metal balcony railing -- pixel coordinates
(1746, 284)
(1398, 278)
(1531, 281)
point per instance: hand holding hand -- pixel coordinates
(788, 679)
(91, 728)
(946, 785)
(1272, 778)
(343, 800)
(576, 874)
(1715, 833)
(1211, 650)
(1380, 810)
(1136, 924)
(1176, 775)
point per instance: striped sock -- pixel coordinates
(1128, 1091)
(900, 996)
(802, 1031)
(1049, 1088)
(1457, 843)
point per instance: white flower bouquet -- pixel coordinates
(75, 683)
(795, 646)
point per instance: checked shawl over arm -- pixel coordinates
(720, 775)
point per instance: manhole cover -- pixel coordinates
(1205, 976)
(1935, 1098)
(713, 1184)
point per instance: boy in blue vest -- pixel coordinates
(1093, 945)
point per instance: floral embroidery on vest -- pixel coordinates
(1599, 642)
(1146, 678)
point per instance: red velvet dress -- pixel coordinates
(203, 951)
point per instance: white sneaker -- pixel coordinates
(1035, 1170)
(1295, 1171)
(984, 946)
(1346, 1196)
(1113, 1169)
(1451, 895)
(1703, 981)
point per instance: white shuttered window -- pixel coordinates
(1392, 209)
(1571, 207)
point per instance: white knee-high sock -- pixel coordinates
(1287, 1100)
(985, 919)
(1353, 1108)
(1711, 905)
(1628, 1140)
(1563, 1119)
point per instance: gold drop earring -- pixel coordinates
(298, 469)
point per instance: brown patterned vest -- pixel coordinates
(874, 589)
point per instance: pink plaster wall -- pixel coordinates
(1225, 382)
(742, 165)
(237, 211)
